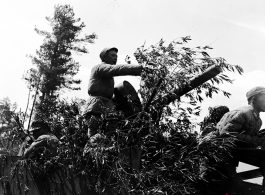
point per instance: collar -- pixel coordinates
(255, 113)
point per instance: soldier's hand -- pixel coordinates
(255, 140)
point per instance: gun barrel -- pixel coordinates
(196, 81)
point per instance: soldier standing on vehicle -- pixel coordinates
(101, 87)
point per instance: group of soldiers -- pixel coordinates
(243, 123)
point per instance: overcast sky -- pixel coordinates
(235, 29)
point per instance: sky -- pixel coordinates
(234, 28)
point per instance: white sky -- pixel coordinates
(234, 28)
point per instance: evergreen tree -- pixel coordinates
(55, 66)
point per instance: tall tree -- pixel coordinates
(55, 66)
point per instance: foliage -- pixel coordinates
(6, 110)
(55, 66)
(11, 130)
(171, 154)
(147, 153)
(215, 114)
(166, 147)
(177, 65)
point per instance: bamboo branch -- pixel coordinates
(33, 105)
(24, 117)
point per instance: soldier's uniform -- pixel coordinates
(45, 141)
(243, 122)
(101, 89)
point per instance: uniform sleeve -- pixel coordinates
(42, 141)
(34, 146)
(107, 70)
(232, 124)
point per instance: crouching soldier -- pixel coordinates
(44, 140)
(244, 123)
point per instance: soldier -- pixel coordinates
(244, 122)
(43, 138)
(101, 90)
(101, 87)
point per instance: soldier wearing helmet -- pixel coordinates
(43, 139)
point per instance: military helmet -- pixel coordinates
(38, 124)
(106, 50)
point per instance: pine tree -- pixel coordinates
(55, 66)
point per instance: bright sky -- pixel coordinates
(234, 28)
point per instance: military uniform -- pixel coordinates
(49, 141)
(243, 123)
(101, 85)
(44, 140)
(101, 89)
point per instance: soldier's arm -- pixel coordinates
(35, 146)
(107, 70)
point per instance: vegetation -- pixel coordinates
(55, 66)
(156, 151)
(11, 131)
(149, 153)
